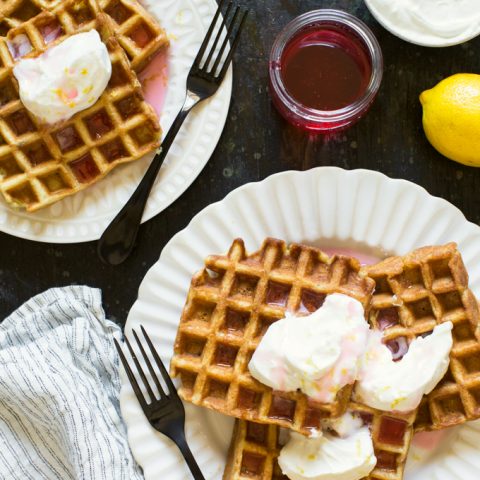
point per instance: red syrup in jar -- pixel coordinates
(326, 69)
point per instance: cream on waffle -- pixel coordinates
(41, 164)
(255, 447)
(415, 293)
(137, 31)
(231, 303)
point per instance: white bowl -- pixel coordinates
(414, 37)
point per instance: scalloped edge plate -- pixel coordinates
(83, 217)
(327, 207)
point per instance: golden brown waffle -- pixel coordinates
(14, 12)
(231, 303)
(255, 447)
(41, 164)
(253, 452)
(137, 31)
(415, 293)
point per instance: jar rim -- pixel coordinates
(364, 34)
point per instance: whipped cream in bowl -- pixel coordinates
(430, 23)
(66, 79)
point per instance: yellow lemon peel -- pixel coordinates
(451, 118)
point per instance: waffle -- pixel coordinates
(230, 305)
(255, 447)
(254, 451)
(415, 293)
(41, 164)
(137, 31)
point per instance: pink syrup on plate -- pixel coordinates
(429, 441)
(154, 80)
(363, 258)
(427, 448)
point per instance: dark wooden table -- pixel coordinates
(257, 143)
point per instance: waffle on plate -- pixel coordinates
(137, 31)
(415, 293)
(231, 303)
(255, 447)
(41, 164)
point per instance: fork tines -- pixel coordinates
(165, 413)
(214, 57)
(172, 392)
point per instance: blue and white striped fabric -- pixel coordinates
(59, 392)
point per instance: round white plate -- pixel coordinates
(417, 35)
(326, 207)
(84, 216)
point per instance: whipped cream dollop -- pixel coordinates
(431, 22)
(345, 425)
(348, 456)
(399, 386)
(66, 79)
(317, 354)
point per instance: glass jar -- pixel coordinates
(336, 29)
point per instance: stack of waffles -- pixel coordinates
(236, 297)
(41, 164)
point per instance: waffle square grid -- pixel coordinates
(41, 164)
(255, 447)
(230, 305)
(414, 294)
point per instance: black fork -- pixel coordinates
(205, 77)
(167, 413)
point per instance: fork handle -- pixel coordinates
(189, 458)
(118, 240)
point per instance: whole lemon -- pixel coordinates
(451, 118)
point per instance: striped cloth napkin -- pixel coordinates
(59, 391)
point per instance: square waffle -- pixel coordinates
(255, 447)
(137, 31)
(230, 305)
(415, 293)
(41, 164)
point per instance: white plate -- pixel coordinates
(83, 217)
(418, 37)
(326, 207)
